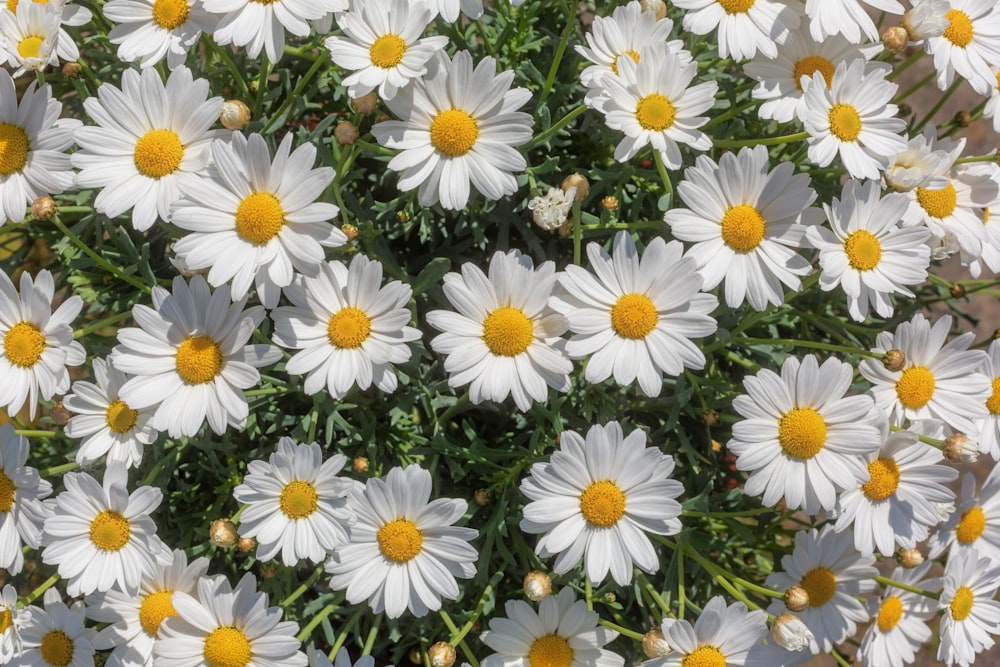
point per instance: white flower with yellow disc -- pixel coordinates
(975, 522)
(151, 30)
(261, 25)
(900, 619)
(969, 46)
(744, 26)
(971, 614)
(989, 427)
(830, 18)
(11, 619)
(722, 636)
(22, 509)
(69, 14)
(55, 636)
(29, 38)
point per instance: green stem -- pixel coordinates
(297, 593)
(100, 261)
(265, 71)
(461, 643)
(830, 347)
(730, 113)
(236, 72)
(60, 469)
(904, 65)
(494, 580)
(100, 324)
(310, 73)
(668, 187)
(588, 593)
(940, 103)
(769, 141)
(577, 233)
(841, 660)
(318, 618)
(886, 581)
(370, 641)
(35, 594)
(914, 88)
(557, 60)
(342, 637)
(28, 433)
(555, 129)
(624, 631)
(978, 158)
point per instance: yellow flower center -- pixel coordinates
(6, 620)
(938, 203)
(655, 113)
(802, 433)
(14, 147)
(971, 525)
(634, 316)
(30, 46)
(961, 604)
(298, 499)
(400, 540)
(154, 608)
(57, 648)
(387, 51)
(743, 228)
(227, 647)
(820, 584)
(119, 417)
(993, 402)
(158, 153)
(845, 122)
(507, 331)
(170, 14)
(863, 250)
(348, 328)
(23, 345)
(550, 651)
(7, 491)
(959, 32)
(602, 503)
(634, 55)
(915, 387)
(454, 132)
(810, 65)
(259, 218)
(883, 474)
(110, 531)
(889, 613)
(704, 656)
(199, 360)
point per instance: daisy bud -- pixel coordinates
(578, 181)
(350, 231)
(360, 464)
(710, 418)
(654, 644)
(403, 217)
(537, 586)
(894, 360)
(223, 533)
(415, 657)
(658, 7)
(963, 119)
(790, 632)
(246, 544)
(910, 558)
(482, 497)
(959, 448)
(957, 290)
(346, 133)
(895, 39)
(364, 104)
(268, 571)
(60, 415)
(71, 70)
(905, 110)
(441, 654)
(234, 115)
(610, 203)
(43, 208)
(796, 598)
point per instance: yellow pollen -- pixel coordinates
(743, 228)
(889, 613)
(655, 113)
(7, 491)
(802, 433)
(507, 331)
(971, 525)
(634, 316)
(6, 620)
(298, 499)
(57, 648)
(704, 656)
(387, 51)
(23, 345)
(154, 608)
(986, 215)
(820, 584)
(634, 55)
(227, 647)
(400, 540)
(915, 387)
(158, 153)
(602, 503)
(961, 604)
(110, 531)
(119, 417)
(349, 328)
(938, 203)
(845, 122)
(259, 218)
(14, 147)
(993, 402)
(550, 651)
(810, 65)
(863, 250)
(883, 474)
(199, 360)
(736, 7)
(454, 132)
(30, 46)
(959, 32)
(998, 79)
(12, 6)
(170, 14)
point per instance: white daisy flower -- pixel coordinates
(992, 109)
(801, 437)
(853, 118)
(449, 9)
(849, 18)
(594, 499)
(652, 104)
(721, 636)
(562, 633)
(866, 252)
(22, 510)
(744, 26)
(975, 522)
(745, 222)
(151, 30)
(383, 46)
(106, 423)
(343, 659)
(636, 319)
(940, 381)
(69, 15)
(151, 142)
(33, 143)
(927, 18)
(257, 219)
(924, 163)
(989, 254)
(296, 503)
(458, 125)
(349, 327)
(504, 339)
(29, 38)
(259, 25)
(833, 573)
(55, 636)
(404, 552)
(134, 620)
(189, 357)
(971, 614)
(222, 626)
(900, 629)
(38, 343)
(989, 427)
(551, 211)
(11, 619)
(969, 46)
(894, 504)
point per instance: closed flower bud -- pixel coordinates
(658, 7)
(441, 654)
(578, 181)
(905, 110)
(957, 290)
(360, 464)
(364, 104)
(71, 70)
(234, 115)
(403, 217)
(710, 418)
(895, 39)
(346, 133)
(910, 558)
(796, 598)
(537, 586)
(223, 533)
(246, 544)
(482, 497)
(415, 657)
(268, 571)
(654, 644)
(894, 360)
(610, 203)
(350, 231)
(43, 208)
(963, 119)
(60, 415)
(960, 448)
(790, 632)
